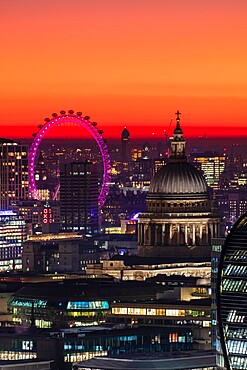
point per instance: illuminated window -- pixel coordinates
(119, 310)
(81, 305)
(175, 312)
(151, 311)
(173, 337)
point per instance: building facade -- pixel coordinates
(34, 212)
(232, 299)
(13, 172)
(12, 236)
(62, 252)
(193, 315)
(217, 245)
(79, 193)
(212, 165)
(79, 344)
(74, 303)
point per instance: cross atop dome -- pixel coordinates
(178, 129)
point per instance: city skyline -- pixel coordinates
(126, 63)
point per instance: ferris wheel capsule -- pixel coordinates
(94, 124)
(54, 114)
(62, 112)
(79, 113)
(71, 111)
(100, 131)
(87, 118)
(47, 119)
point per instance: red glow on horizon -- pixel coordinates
(114, 132)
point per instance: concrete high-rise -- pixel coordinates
(13, 172)
(79, 193)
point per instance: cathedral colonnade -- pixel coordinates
(177, 232)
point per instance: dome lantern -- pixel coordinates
(178, 143)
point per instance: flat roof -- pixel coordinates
(9, 364)
(54, 237)
(186, 361)
(159, 261)
(176, 303)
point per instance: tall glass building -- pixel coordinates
(232, 297)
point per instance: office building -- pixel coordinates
(79, 193)
(74, 302)
(12, 237)
(212, 165)
(35, 213)
(13, 172)
(61, 252)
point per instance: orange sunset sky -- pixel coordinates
(125, 63)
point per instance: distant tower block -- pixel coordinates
(79, 193)
(125, 138)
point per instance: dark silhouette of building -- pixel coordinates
(79, 197)
(51, 253)
(125, 138)
(232, 298)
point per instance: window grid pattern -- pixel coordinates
(232, 303)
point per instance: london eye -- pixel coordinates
(77, 119)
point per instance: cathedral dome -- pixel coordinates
(178, 179)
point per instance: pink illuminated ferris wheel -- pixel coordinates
(68, 118)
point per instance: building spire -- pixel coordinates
(178, 114)
(178, 143)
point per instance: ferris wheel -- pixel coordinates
(91, 127)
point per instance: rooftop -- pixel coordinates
(54, 237)
(186, 360)
(158, 261)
